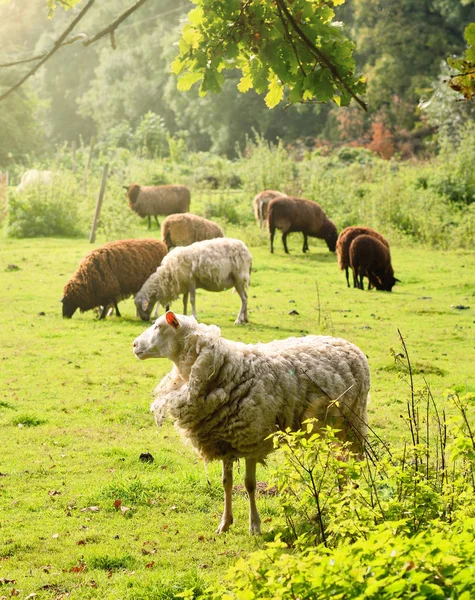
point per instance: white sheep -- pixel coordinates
(185, 228)
(34, 177)
(227, 397)
(213, 265)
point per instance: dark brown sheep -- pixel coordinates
(111, 273)
(152, 200)
(370, 258)
(296, 214)
(343, 246)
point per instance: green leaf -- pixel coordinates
(275, 93)
(245, 83)
(187, 80)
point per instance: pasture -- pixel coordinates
(81, 516)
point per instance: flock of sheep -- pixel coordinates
(224, 396)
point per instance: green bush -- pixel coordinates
(434, 564)
(43, 211)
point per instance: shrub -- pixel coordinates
(42, 211)
(436, 564)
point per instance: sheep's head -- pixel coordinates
(69, 308)
(164, 339)
(331, 238)
(133, 192)
(143, 305)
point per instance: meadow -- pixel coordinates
(81, 516)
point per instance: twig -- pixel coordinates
(109, 30)
(322, 59)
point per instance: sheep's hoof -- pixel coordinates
(224, 525)
(255, 528)
(240, 321)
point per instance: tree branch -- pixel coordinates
(49, 54)
(322, 59)
(109, 30)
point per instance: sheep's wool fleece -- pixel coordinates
(186, 228)
(208, 261)
(160, 200)
(113, 271)
(345, 238)
(226, 397)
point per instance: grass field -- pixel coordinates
(80, 515)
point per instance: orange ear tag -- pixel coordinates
(172, 320)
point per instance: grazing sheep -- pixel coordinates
(261, 202)
(152, 200)
(227, 397)
(214, 265)
(111, 273)
(185, 228)
(34, 177)
(370, 258)
(343, 246)
(296, 214)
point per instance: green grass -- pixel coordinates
(74, 411)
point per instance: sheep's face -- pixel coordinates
(163, 338)
(331, 240)
(144, 307)
(69, 308)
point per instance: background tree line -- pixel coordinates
(128, 97)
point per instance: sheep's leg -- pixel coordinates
(185, 302)
(103, 312)
(250, 483)
(305, 243)
(242, 316)
(347, 277)
(272, 233)
(117, 312)
(284, 241)
(193, 298)
(227, 518)
(149, 222)
(156, 221)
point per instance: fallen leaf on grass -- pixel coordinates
(150, 565)
(90, 509)
(124, 509)
(117, 503)
(4, 580)
(53, 493)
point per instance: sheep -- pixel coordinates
(227, 397)
(153, 200)
(261, 201)
(34, 177)
(297, 214)
(343, 246)
(185, 228)
(370, 258)
(111, 273)
(214, 265)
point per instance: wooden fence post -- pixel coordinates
(88, 164)
(100, 196)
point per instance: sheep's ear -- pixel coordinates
(397, 280)
(145, 304)
(172, 320)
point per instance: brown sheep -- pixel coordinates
(152, 200)
(343, 246)
(111, 273)
(261, 202)
(371, 258)
(297, 214)
(185, 229)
